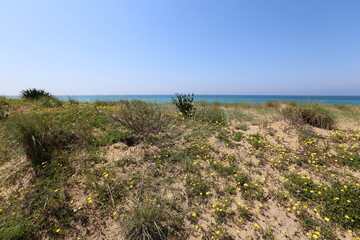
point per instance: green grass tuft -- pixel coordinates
(312, 114)
(43, 134)
(151, 220)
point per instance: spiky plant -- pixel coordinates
(34, 94)
(185, 103)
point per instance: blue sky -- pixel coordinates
(71, 47)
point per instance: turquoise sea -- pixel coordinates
(351, 100)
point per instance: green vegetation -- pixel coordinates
(312, 114)
(141, 118)
(4, 108)
(185, 104)
(238, 136)
(352, 161)
(49, 101)
(256, 141)
(339, 201)
(212, 114)
(152, 220)
(34, 94)
(43, 135)
(242, 127)
(136, 170)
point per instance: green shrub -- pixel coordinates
(185, 103)
(43, 134)
(312, 114)
(140, 117)
(33, 94)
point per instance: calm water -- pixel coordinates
(352, 100)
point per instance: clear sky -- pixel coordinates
(71, 47)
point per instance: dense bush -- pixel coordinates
(33, 94)
(140, 117)
(185, 103)
(312, 114)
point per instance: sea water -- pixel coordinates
(350, 100)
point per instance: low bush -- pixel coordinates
(185, 104)
(33, 94)
(140, 117)
(312, 114)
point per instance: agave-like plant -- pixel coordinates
(34, 94)
(185, 103)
